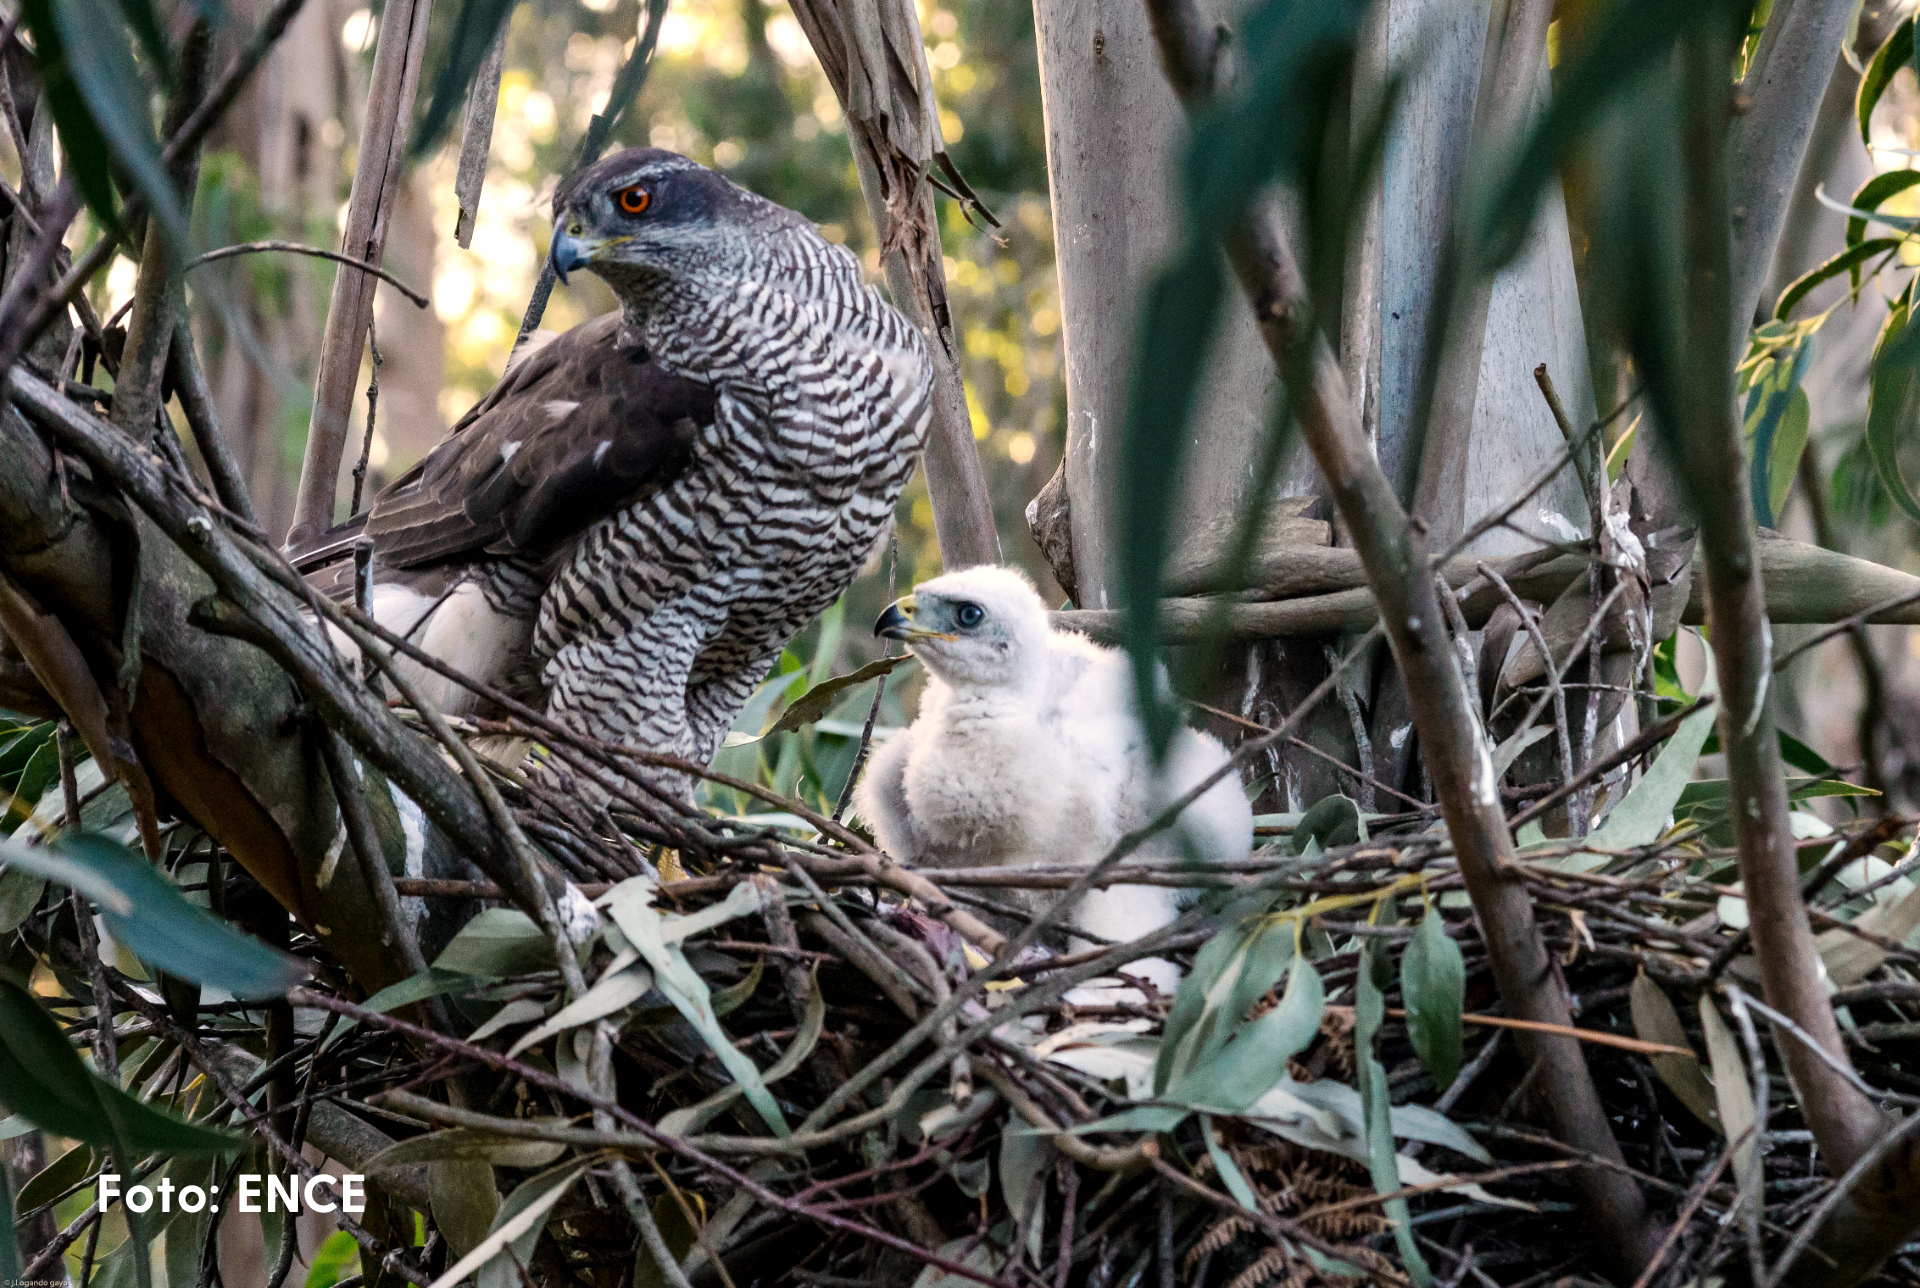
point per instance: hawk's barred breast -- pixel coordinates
(644, 511)
(822, 403)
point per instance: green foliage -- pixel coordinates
(57, 1177)
(500, 941)
(1895, 53)
(100, 103)
(147, 914)
(42, 1078)
(1891, 400)
(1632, 104)
(1777, 414)
(1369, 1011)
(1847, 261)
(1641, 817)
(658, 939)
(1331, 822)
(1656, 1020)
(515, 1228)
(1433, 982)
(331, 1259)
(813, 705)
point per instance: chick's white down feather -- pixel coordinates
(1028, 750)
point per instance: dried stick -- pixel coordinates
(419, 300)
(639, 1131)
(476, 137)
(627, 84)
(1451, 738)
(1845, 1122)
(1559, 694)
(377, 181)
(196, 400)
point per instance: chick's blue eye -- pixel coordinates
(970, 615)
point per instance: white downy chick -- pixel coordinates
(1028, 750)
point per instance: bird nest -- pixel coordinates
(840, 1070)
(782, 1058)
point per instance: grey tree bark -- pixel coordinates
(259, 353)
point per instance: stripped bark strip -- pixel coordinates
(476, 136)
(377, 179)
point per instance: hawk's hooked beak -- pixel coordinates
(897, 623)
(566, 252)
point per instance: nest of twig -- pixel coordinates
(784, 1059)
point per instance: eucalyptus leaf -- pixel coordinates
(734, 996)
(42, 1077)
(1642, 815)
(57, 1177)
(431, 982)
(817, 701)
(684, 1122)
(464, 1201)
(1190, 999)
(146, 914)
(516, 1225)
(631, 905)
(613, 993)
(467, 1143)
(1433, 981)
(187, 1231)
(1869, 198)
(1655, 1020)
(39, 773)
(90, 59)
(1333, 821)
(1023, 1159)
(1229, 1171)
(521, 1010)
(1291, 56)
(500, 941)
(20, 892)
(1777, 417)
(1732, 1093)
(1890, 396)
(1894, 53)
(1244, 1068)
(1382, 1164)
(1847, 261)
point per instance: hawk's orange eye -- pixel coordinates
(633, 201)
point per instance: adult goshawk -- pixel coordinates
(639, 517)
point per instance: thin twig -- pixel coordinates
(418, 300)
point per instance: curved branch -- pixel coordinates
(418, 300)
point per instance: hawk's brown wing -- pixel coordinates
(571, 433)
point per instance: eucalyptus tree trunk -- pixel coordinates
(1114, 134)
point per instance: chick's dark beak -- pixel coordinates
(565, 252)
(893, 624)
